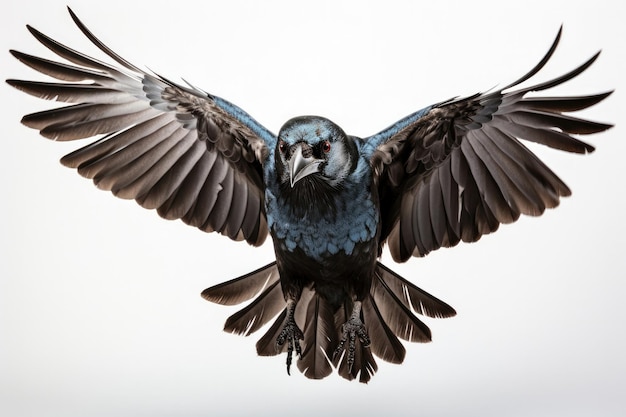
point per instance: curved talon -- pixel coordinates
(352, 329)
(291, 334)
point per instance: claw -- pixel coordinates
(291, 334)
(352, 329)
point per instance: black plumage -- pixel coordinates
(450, 172)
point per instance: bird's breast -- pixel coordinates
(344, 230)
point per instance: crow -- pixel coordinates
(450, 172)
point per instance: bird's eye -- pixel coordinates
(326, 146)
(282, 146)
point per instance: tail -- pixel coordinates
(265, 282)
(388, 313)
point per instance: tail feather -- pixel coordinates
(301, 315)
(364, 365)
(266, 346)
(421, 301)
(254, 316)
(385, 344)
(320, 338)
(396, 314)
(242, 289)
(388, 312)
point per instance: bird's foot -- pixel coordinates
(352, 329)
(291, 334)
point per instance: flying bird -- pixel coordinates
(450, 172)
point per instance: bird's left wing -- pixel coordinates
(454, 171)
(189, 154)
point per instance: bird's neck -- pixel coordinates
(323, 224)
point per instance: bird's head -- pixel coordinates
(313, 152)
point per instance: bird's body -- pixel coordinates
(313, 237)
(450, 172)
(325, 224)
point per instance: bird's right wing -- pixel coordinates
(186, 153)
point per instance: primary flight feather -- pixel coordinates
(450, 172)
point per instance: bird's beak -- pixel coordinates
(300, 167)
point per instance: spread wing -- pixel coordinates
(186, 153)
(456, 170)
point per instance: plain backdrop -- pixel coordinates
(100, 307)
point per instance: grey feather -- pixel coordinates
(385, 344)
(243, 288)
(254, 316)
(157, 137)
(321, 338)
(464, 158)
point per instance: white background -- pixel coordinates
(100, 312)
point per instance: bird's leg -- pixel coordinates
(291, 334)
(352, 329)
